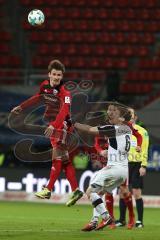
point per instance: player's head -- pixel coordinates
(118, 113)
(56, 70)
(133, 115)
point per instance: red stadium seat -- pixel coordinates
(106, 38)
(4, 48)
(10, 61)
(110, 25)
(88, 13)
(121, 63)
(130, 14)
(142, 51)
(147, 38)
(44, 49)
(132, 38)
(78, 62)
(5, 36)
(117, 13)
(70, 49)
(64, 37)
(122, 3)
(96, 25)
(119, 38)
(84, 49)
(74, 13)
(82, 25)
(94, 63)
(99, 50)
(102, 14)
(55, 25)
(112, 51)
(90, 37)
(107, 63)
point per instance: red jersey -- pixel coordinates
(57, 102)
(136, 134)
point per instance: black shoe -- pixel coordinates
(139, 224)
(119, 223)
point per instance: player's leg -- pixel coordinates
(137, 186)
(129, 203)
(93, 222)
(99, 205)
(54, 174)
(137, 193)
(109, 205)
(71, 176)
(104, 180)
(122, 210)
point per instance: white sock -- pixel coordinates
(95, 216)
(100, 207)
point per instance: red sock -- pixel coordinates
(71, 176)
(54, 174)
(109, 204)
(129, 203)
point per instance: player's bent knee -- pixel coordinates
(88, 192)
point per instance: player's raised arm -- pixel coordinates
(29, 102)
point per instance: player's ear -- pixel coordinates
(49, 74)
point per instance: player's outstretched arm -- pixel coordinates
(86, 128)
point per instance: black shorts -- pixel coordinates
(135, 180)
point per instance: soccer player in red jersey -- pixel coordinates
(50, 90)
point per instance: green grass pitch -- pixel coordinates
(37, 221)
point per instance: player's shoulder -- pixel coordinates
(44, 83)
(64, 89)
(141, 129)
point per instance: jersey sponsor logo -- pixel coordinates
(50, 99)
(67, 100)
(55, 91)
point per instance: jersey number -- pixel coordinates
(128, 143)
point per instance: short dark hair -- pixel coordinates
(56, 64)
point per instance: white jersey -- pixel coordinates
(119, 143)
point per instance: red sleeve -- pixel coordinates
(64, 110)
(136, 134)
(34, 99)
(97, 145)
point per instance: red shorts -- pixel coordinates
(60, 137)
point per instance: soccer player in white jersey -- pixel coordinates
(116, 171)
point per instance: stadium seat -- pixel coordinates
(74, 13)
(84, 49)
(96, 26)
(4, 48)
(5, 36)
(70, 49)
(112, 51)
(119, 38)
(55, 25)
(116, 13)
(102, 14)
(82, 25)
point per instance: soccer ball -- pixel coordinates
(36, 17)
